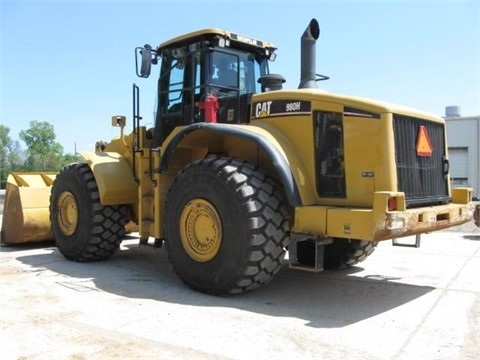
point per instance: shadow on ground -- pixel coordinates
(331, 299)
(472, 237)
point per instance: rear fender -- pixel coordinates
(281, 158)
(114, 177)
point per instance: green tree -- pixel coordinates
(11, 155)
(70, 158)
(43, 152)
(4, 140)
(16, 156)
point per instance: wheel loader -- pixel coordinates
(237, 171)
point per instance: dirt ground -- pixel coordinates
(401, 303)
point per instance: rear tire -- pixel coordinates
(83, 228)
(343, 253)
(226, 226)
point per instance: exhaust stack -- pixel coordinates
(307, 56)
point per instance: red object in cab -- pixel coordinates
(210, 105)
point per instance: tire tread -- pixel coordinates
(109, 221)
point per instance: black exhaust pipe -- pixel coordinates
(307, 56)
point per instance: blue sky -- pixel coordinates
(72, 63)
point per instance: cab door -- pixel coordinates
(176, 94)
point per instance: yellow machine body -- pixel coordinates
(362, 214)
(368, 145)
(113, 174)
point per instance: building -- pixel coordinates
(463, 134)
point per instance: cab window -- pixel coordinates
(237, 71)
(175, 89)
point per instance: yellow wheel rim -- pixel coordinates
(67, 213)
(200, 230)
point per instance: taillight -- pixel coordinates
(392, 204)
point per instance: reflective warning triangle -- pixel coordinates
(424, 146)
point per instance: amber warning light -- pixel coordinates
(424, 146)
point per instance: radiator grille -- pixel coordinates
(423, 179)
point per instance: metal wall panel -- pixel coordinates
(464, 133)
(458, 162)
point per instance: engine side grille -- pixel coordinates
(423, 179)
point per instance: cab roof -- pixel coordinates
(215, 33)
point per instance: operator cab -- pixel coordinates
(206, 76)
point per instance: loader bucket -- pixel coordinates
(26, 214)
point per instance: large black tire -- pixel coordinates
(83, 228)
(226, 226)
(343, 253)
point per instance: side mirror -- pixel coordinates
(145, 56)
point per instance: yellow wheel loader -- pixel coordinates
(238, 170)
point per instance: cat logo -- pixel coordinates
(262, 109)
(285, 107)
(424, 146)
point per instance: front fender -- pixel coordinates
(114, 177)
(280, 157)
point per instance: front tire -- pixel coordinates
(226, 226)
(83, 228)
